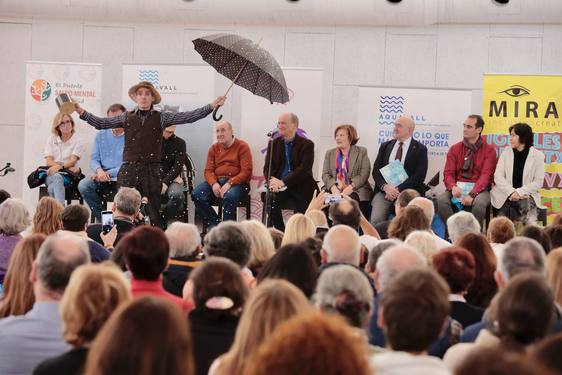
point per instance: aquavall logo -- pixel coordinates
(40, 90)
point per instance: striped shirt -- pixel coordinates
(166, 118)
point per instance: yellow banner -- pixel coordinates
(537, 101)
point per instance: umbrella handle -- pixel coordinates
(215, 116)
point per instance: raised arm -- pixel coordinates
(179, 118)
(101, 122)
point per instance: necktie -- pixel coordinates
(399, 152)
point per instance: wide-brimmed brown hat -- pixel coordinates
(148, 85)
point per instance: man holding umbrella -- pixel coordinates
(143, 140)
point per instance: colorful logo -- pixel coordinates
(40, 90)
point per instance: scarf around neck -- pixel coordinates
(466, 168)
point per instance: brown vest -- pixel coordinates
(143, 142)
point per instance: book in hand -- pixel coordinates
(465, 187)
(394, 173)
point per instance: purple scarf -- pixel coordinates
(466, 168)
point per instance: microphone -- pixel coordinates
(146, 218)
(273, 132)
(144, 201)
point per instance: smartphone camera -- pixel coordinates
(332, 198)
(106, 221)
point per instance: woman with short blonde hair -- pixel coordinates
(47, 218)
(262, 247)
(271, 303)
(93, 293)
(424, 242)
(318, 217)
(298, 229)
(14, 219)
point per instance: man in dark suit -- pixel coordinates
(291, 179)
(412, 154)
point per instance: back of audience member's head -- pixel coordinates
(524, 311)
(546, 354)
(554, 232)
(341, 245)
(461, 223)
(500, 230)
(394, 261)
(412, 218)
(14, 217)
(456, 265)
(311, 344)
(145, 252)
(404, 198)
(298, 229)
(147, 335)
(262, 248)
(270, 304)
(295, 264)
(314, 246)
(345, 212)
(487, 360)
(4, 195)
(18, 296)
(184, 240)
(376, 252)
(75, 217)
(59, 255)
(481, 250)
(276, 236)
(47, 218)
(538, 234)
(93, 293)
(554, 273)
(127, 201)
(345, 290)
(318, 217)
(426, 205)
(520, 255)
(218, 278)
(424, 242)
(228, 240)
(414, 329)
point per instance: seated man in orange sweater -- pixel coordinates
(227, 175)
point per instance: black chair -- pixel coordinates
(71, 194)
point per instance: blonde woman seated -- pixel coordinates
(63, 150)
(298, 229)
(519, 176)
(271, 303)
(347, 167)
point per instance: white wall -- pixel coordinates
(442, 56)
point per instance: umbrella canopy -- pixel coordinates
(245, 63)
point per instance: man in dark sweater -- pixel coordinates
(172, 162)
(143, 140)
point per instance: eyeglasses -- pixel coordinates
(65, 122)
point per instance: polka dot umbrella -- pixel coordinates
(246, 64)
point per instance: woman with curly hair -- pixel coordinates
(47, 218)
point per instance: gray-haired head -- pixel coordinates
(228, 240)
(342, 279)
(520, 255)
(127, 201)
(184, 239)
(342, 245)
(378, 249)
(58, 256)
(461, 223)
(426, 205)
(14, 217)
(396, 260)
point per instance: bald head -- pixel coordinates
(426, 205)
(396, 260)
(403, 128)
(342, 245)
(224, 133)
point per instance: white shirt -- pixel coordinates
(61, 151)
(441, 243)
(402, 363)
(405, 147)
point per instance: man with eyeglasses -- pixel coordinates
(171, 165)
(468, 173)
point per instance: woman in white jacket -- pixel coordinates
(519, 176)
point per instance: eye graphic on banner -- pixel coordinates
(516, 91)
(40, 90)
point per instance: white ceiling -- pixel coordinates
(283, 12)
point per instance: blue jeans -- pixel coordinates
(55, 187)
(88, 188)
(172, 210)
(203, 196)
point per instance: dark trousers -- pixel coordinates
(145, 177)
(524, 210)
(284, 200)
